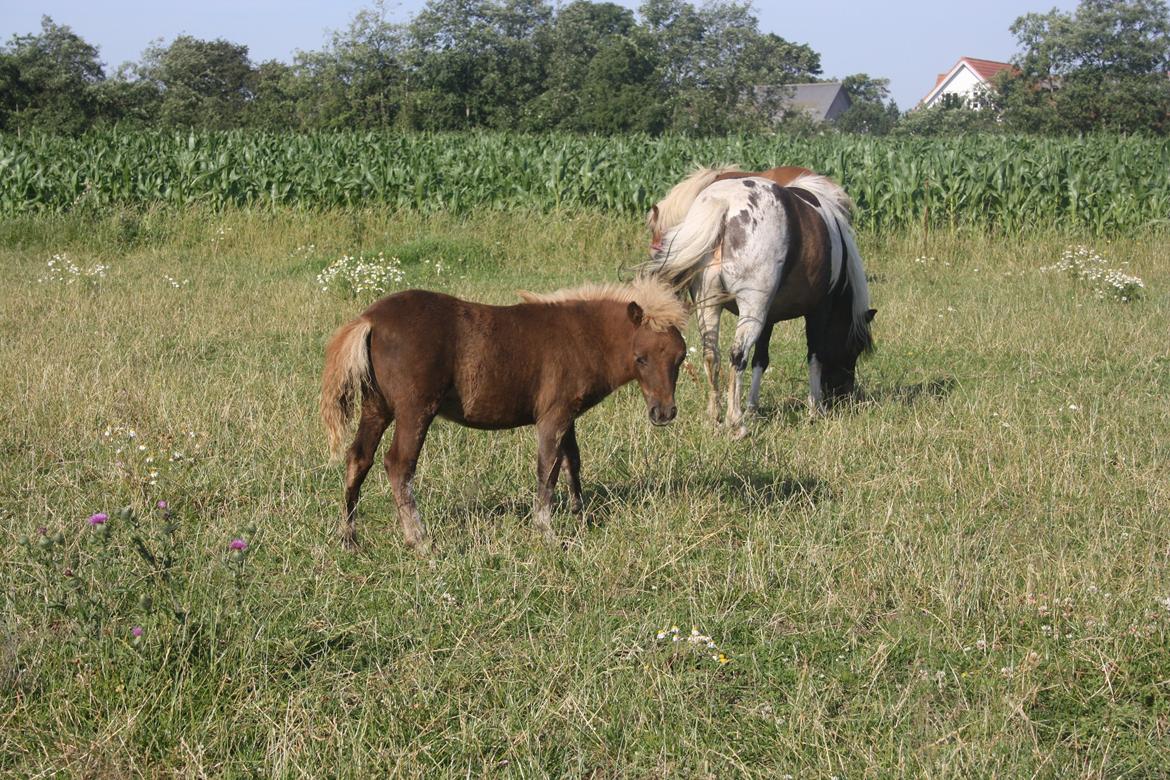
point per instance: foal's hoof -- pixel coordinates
(739, 433)
(423, 546)
(349, 542)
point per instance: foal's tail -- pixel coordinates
(687, 247)
(347, 364)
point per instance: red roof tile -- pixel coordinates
(986, 68)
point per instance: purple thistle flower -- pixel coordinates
(136, 631)
(98, 518)
(161, 504)
(238, 544)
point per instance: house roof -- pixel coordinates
(984, 70)
(817, 99)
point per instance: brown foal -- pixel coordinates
(416, 355)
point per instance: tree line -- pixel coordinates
(588, 67)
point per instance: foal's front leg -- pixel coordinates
(549, 435)
(571, 463)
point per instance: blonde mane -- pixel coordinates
(661, 308)
(672, 208)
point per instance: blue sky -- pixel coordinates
(906, 42)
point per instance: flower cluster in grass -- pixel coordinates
(1087, 266)
(361, 276)
(140, 463)
(696, 640)
(175, 283)
(61, 270)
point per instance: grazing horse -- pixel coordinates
(669, 211)
(416, 355)
(770, 253)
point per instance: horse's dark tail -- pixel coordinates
(347, 363)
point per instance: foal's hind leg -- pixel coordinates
(410, 431)
(759, 364)
(375, 417)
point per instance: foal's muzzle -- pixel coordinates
(662, 415)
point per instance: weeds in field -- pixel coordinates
(360, 276)
(1086, 265)
(61, 270)
(695, 641)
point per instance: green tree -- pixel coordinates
(49, 80)
(358, 81)
(713, 62)
(1103, 67)
(477, 62)
(578, 34)
(952, 115)
(202, 83)
(872, 112)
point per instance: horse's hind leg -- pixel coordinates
(759, 365)
(752, 311)
(358, 459)
(401, 459)
(707, 291)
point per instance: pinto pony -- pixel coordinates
(669, 211)
(770, 253)
(416, 355)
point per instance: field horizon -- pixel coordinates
(965, 572)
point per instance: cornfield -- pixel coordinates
(1095, 185)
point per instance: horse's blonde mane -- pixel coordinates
(661, 308)
(674, 206)
(824, 187)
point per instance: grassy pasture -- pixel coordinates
(965, 573)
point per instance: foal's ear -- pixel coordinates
(635, 312)
(652, 216)
(869, 315)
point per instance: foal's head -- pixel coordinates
(657, 353)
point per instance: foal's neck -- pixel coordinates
(617, 334)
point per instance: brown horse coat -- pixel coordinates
(416, 355)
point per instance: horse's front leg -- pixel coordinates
(549, 435)
(708, 291)
(759, 366)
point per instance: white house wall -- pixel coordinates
(962, 81)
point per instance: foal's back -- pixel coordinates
(480, 365)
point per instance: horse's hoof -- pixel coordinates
(752, 411)
(739, 433)
(349, 542)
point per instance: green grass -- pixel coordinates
(963, 574)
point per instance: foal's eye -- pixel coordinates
(640, 359)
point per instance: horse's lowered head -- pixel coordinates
(843, 343)
(657, 354)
